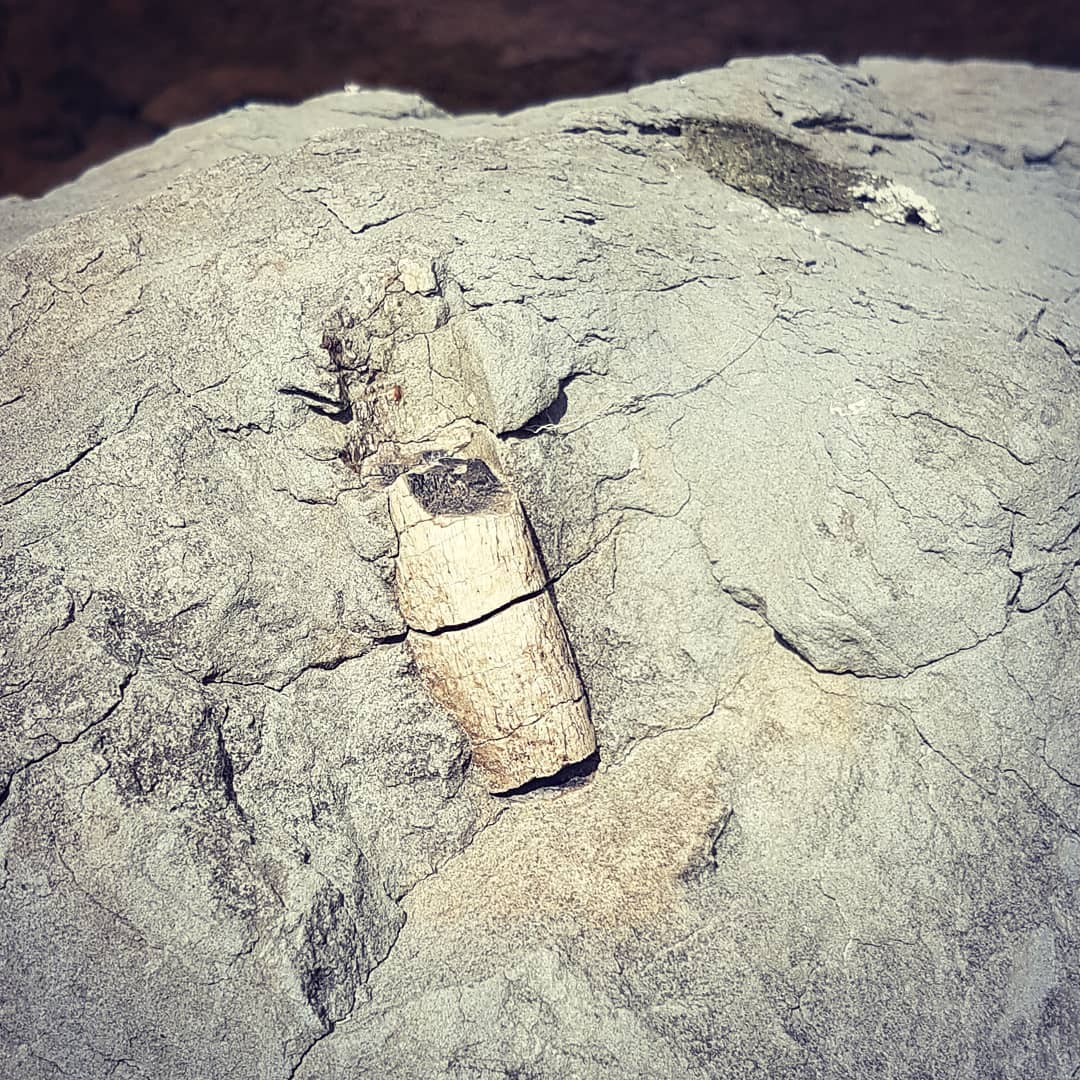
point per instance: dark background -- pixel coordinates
(81, 80)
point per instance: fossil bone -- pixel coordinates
(485, 633)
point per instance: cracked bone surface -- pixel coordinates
(486, 636)
(806, 483)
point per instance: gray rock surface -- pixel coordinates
(808, 486)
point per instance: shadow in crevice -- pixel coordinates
(547, 417)
(567, 778)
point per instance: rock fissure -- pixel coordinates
(639, 402)
(60, 744)
(740, 596)
(24, 487)
(971, 435)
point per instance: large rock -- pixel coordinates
(806, 482)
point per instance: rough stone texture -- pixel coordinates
(79, 82)
(807, 484)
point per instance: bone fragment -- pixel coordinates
(486, 637)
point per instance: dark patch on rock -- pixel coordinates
(122, 633)
(776, 170)
(343, 936)
(331, 977)
(456, 486)
(720, 842)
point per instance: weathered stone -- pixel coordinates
(806, 484)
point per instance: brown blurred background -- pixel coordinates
(81, 80)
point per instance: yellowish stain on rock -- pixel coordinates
(612, 853)
(603, 855)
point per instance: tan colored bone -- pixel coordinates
(462, 556)
(485, 633)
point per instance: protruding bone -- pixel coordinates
(486, 636)
(464, 547)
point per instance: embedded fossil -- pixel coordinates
(485, 633)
